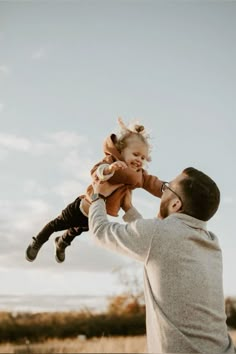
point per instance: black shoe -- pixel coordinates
(60, 246)
(32, 250)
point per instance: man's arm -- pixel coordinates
(132, 239)
(131, 215)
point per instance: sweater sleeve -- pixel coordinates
(126, 176)
(100, 172)
(106, 160)
(132, 239)
(152, 184)
(131, 215)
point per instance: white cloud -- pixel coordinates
(33, 188)
(4, 69)
(19, 219)
(69, 189)
(24, 218)
(13, 142)
(1, 107)
(3, 154)
(79, 165)
(44, 281)
(67, 139)
(38, 53)
(146, 203)
(49, 143)
(228, 200)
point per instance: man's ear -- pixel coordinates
(176, 205)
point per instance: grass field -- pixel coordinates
(136, 344)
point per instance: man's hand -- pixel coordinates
(105, 188)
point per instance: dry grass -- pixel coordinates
(136, 344)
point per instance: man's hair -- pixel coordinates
(201, 196)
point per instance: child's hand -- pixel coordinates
(115, 166)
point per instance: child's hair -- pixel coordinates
(125, 132)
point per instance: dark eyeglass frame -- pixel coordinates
(165, 186)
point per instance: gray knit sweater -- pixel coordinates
(182, 278)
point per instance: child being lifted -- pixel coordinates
(125, 156)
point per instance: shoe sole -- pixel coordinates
(55, 251)
(28, 259)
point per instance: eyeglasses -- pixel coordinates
(165, 186)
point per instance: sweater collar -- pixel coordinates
(190, 221)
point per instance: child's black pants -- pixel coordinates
(70, 219)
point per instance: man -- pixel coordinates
(182, 263)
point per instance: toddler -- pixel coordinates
(125, 156)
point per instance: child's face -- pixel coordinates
(135, 154)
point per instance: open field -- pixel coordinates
(135, 344)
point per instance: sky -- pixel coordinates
(68, 70)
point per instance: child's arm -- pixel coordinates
(152, 184)
(120, 175)
(105, 171)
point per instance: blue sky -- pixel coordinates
(67, 71)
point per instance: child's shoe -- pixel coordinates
(32, 250)
(60, 246)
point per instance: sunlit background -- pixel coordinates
(67, 71)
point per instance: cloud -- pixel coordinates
(13, 142)
(1, 107)
(32, 187)
(67, 139)
(3, 154)
(4, 69)
(69, 189)
(228, 200)
(44, 281)
(67, 154)
(20, 220)
(75, 162)
(146, 203)
(21, 216)
(49, 143)
(38, 53)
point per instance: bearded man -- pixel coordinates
(182, 263)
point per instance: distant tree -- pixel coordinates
(125, 304)
(131, 299)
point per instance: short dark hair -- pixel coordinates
(201, 196)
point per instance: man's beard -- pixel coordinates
(163, 211)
